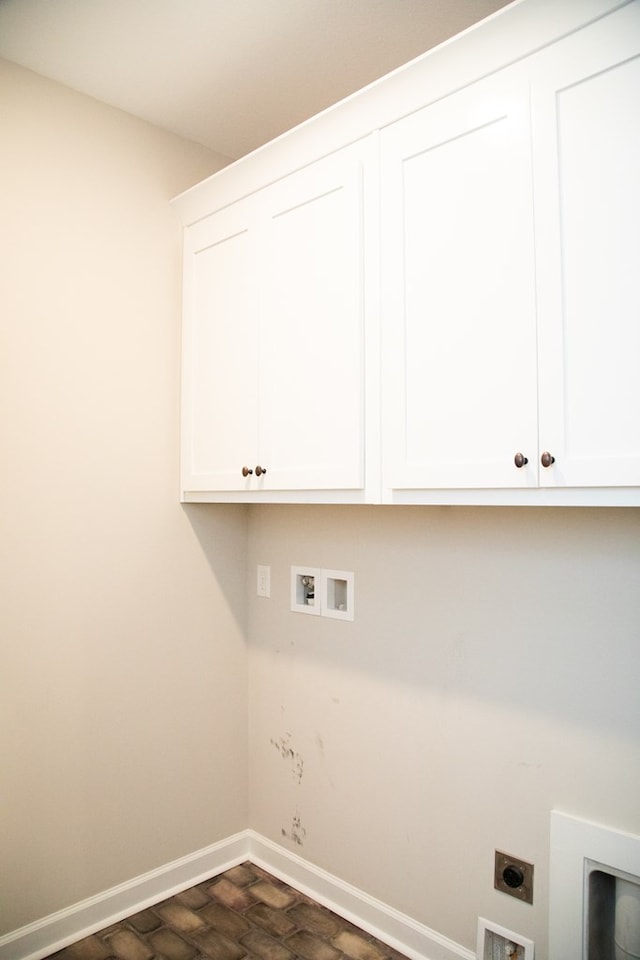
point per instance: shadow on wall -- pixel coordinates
(221, 531)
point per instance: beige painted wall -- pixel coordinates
(491, 674)
(123, 663)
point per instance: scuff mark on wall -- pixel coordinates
(298, 832)
(284, 748)
(321, 750)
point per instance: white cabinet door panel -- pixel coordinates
(311, 345)
(458, 302)
(586, 116)
(219, 428)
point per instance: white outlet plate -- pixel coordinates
(492, 939)
(300, 603)
(263, 581)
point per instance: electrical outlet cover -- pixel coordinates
(263, 581)
(519, 872)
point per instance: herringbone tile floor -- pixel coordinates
(242, 913)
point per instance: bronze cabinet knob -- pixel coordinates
(520, 460)
(246, 471)
(546, 459)
(260, 470)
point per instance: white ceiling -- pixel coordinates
(230, 74)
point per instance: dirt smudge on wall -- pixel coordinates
(298, 832)
(286, 751)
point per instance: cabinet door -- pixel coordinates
(586, 121)
(311, 364)
(219, 390)
(458, 301)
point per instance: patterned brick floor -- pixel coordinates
(244, 912)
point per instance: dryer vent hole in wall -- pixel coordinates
(613, 912)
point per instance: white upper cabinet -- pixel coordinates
(510, 281)
(458, 290)
(273, 340)
(586, 123)
(431, 292)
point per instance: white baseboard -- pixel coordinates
(396, 929)
(58, 930)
